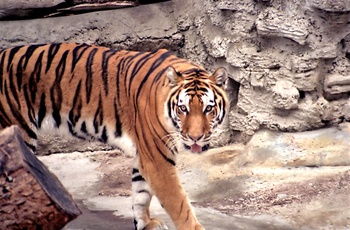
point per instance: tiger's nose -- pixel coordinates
(195, 137)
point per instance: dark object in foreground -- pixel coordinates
(31, 197)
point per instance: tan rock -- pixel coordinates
(330, 5)
(285, 95)
(272, 22)
(323, 147)
(337, 83)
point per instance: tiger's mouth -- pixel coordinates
(195, 148)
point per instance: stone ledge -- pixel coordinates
(336, 84)
(330, 5)
(272, 22)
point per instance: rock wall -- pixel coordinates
(288, 60)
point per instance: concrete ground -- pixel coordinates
(276, 181)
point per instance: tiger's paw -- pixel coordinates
(153, 224)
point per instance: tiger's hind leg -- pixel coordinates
(141, 199)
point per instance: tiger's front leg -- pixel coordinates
(141, 199)
(160, 178)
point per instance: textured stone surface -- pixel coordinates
(330, 5)
(285, 95)
(260, 43)
(336, 84)
(272, 22)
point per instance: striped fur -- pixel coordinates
(150, 104)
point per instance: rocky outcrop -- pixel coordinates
(288, 60)
(336, 84)
(273, 22)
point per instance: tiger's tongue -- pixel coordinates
(196, 148)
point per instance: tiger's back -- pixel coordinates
(133, 100)
(73, 88)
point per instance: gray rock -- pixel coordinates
(330, 5)
(336, 83)
(285, 95)
(272, 22)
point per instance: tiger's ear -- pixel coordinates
(219, 77)
(173, 76)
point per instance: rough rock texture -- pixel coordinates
(262, 43)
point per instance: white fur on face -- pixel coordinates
(184, 99)
(208, 99)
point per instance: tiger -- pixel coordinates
(152, 105)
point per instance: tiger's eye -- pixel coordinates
(183, 108)
(209, 108)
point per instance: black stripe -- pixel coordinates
(19, 73)
(138, 65)
(218, 92)
(146, 148)
(104, 136)
(120, 69)
(53, 49)
(31, 112)
(98, 118)
(17, 114)
(164, 130)
(56, 91)
(23, 62)
(13, 51)
(170, 161)
(170, 103)
(4, 119)
(71, 129)
(106, 55)
(119, 66)
(37, 67)
(118, 125)
(158, 132)
(144, 191)
(13, 88)
(194, 71)
(83, 128)
(129, 61)
(32, 147)
(88, 67)
(29, 53)
(61, 67)
(135, 170)
(160, 73)
(224, 113)
(35, 77)
(2, 69)
(135, 224)
(42, 110)
(155, 65)
(75, 112)
(137, 178)
(77, 54)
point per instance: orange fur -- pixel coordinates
(98, 93)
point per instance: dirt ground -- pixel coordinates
(290, 201)
(228, 188)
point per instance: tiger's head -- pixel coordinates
(197, 103)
